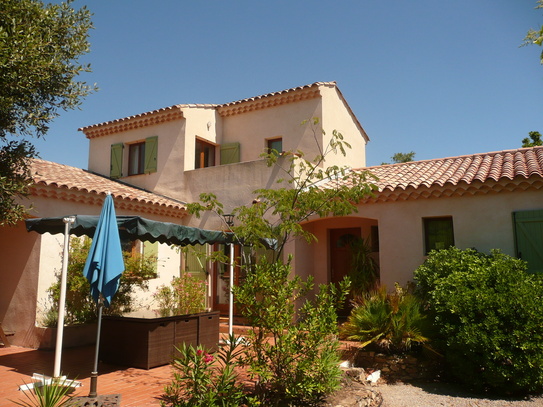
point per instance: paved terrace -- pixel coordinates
(138, 387)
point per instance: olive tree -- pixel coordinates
(40, 46)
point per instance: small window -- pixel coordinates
(438, 233)
(136, 158)
(205, 154)
(142, 158)
(275, 144)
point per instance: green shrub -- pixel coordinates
(293, 353)
(184, 295)
(394, 322)
(489, 312)
(80, 306)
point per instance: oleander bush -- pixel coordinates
(489, 312)
(202, 379)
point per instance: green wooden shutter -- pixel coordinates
(195, 262)
(151, 148)
(116, 164)
(151, 250)
(529, 238)
(230, 153)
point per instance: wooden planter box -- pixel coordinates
(145, 341)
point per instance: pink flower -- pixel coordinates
(208, 358)
(199, 352)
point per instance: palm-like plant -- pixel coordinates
(394, 322)
(50, 394)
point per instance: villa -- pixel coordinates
(154, 163)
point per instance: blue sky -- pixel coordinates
(435, 77)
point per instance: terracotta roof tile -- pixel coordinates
(175, 112)
(281, 92)
(47, 173)
(509, 169)
(508, 164)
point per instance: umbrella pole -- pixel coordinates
(68, 221)
(231, 295)
(94, 373)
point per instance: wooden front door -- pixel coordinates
(341, 256)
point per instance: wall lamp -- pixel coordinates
(229, 219)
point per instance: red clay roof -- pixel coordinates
(66, 179)
(510, 169)
(226, 109)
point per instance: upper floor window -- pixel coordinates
(275, 144)
(136, 158)
(142, 158)
(205, 154)
(438, 233)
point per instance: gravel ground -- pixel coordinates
(442, 394)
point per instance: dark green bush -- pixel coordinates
(489, 312)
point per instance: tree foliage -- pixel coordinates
(533, 140)
(402, 158)
(535, 36)
(39, 50)
(15, 178)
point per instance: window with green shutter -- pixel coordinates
(116, 162)
(230, 153)
(275, 144)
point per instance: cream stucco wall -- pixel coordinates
(50, 261)
(336, 116)
(482, 221)
(170, 155)
(168, 267)
(202, 122)
(253, 129)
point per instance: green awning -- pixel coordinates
(132, 228)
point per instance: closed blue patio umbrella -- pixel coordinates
(103, 269)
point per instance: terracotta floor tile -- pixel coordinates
(138, 387)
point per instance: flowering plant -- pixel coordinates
(184, 295)
(201, 379)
